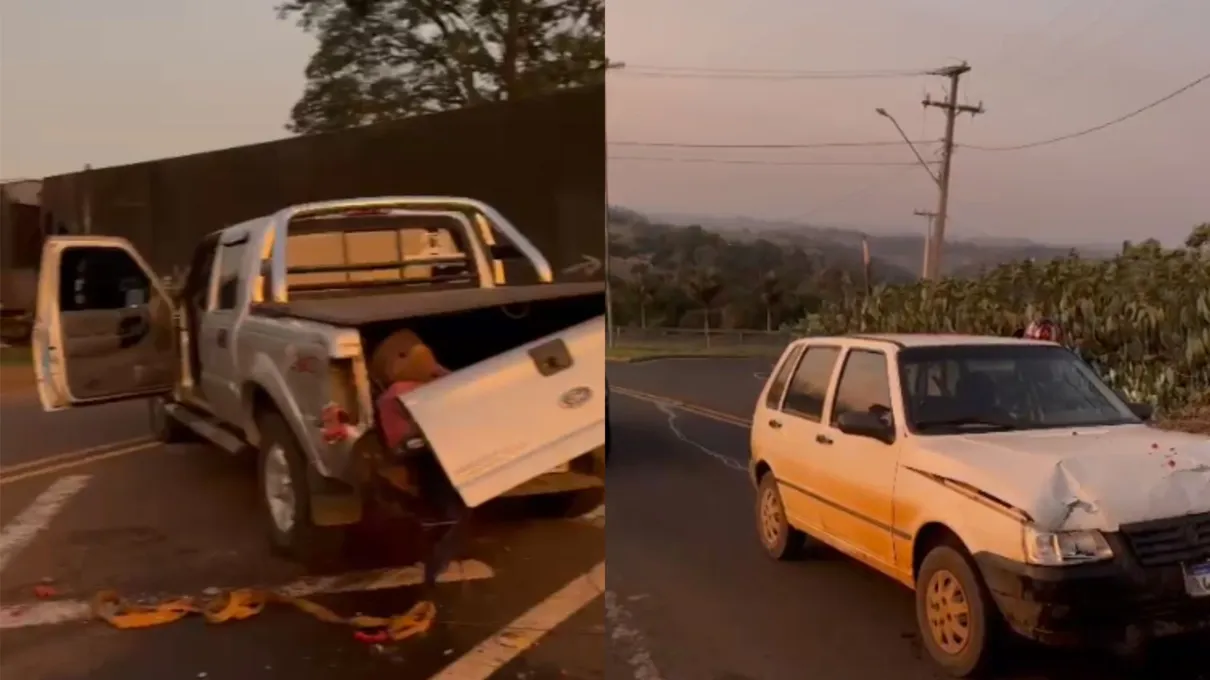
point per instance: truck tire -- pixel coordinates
(285, 499)
(165, 428)
(955, 613)
(570, 504)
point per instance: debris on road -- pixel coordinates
(244, 603)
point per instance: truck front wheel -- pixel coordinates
(286, 500)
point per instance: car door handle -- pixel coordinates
(823, 439)
(221, 338)
(775, 424)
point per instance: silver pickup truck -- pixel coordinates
(269, 334)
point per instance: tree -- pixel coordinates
(1199, 238)
(383, 60)
(704, 285)
(770, 296)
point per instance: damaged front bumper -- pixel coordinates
(1106, 604)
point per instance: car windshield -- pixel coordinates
(972, 388)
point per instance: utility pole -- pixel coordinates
(928, 240)
(952, 108)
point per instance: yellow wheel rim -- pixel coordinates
(949, 613)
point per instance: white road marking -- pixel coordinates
(728, 462)
(34, 519)
(52, 612)
(629, 639)
(523, 633)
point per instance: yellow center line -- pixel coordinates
(685, 406)
(68, 461)
(70, 455)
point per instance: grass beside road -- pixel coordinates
(646, 353)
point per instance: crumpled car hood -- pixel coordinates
(1084, 478)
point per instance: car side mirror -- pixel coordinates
(1143, 411)
(866, 425)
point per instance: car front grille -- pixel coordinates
(1170, 541)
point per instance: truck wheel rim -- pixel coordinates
(770, 517)
(279, 490)
(948, 612)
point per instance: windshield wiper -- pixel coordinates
(988, 424)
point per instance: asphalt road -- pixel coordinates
(158, 521)
(692, 596)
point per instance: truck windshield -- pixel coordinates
(971, 388)
(383, 248)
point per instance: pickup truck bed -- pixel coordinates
(365, 308)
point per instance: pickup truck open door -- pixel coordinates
(105, 326)
(504, 421)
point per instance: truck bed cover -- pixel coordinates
(374, 306)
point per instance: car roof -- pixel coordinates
(935, 339)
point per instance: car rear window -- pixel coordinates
(778, 387)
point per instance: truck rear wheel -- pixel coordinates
(286, 500)
(570, 504)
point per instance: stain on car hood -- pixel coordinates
(1082, 478)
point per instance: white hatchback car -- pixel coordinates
(999, 478)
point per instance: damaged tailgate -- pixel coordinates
(508, 419)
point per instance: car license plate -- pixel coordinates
(1197, 579)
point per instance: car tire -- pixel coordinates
(954, 612)
(570, 504)
(285, 498)
(780, 540)
(165, 428)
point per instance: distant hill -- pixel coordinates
(902, 252)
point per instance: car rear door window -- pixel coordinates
(809, 387)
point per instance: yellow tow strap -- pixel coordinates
(237, 605)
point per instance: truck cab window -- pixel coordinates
(231, 256)
(809, 386)
(101, 278)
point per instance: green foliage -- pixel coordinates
(1143, 316)
(690, 277)
(390, 59)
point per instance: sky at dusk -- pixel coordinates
(129, 80)
(1042, 68)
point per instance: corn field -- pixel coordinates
(1142, 317)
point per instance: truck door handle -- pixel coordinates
(775, 424)
(220, 338)
(823, 439)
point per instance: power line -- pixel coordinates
(720, 74)
(782, 71)
(752, 161)
(817, 145)
(1096, 128)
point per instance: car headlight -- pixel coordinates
(1053, 548)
